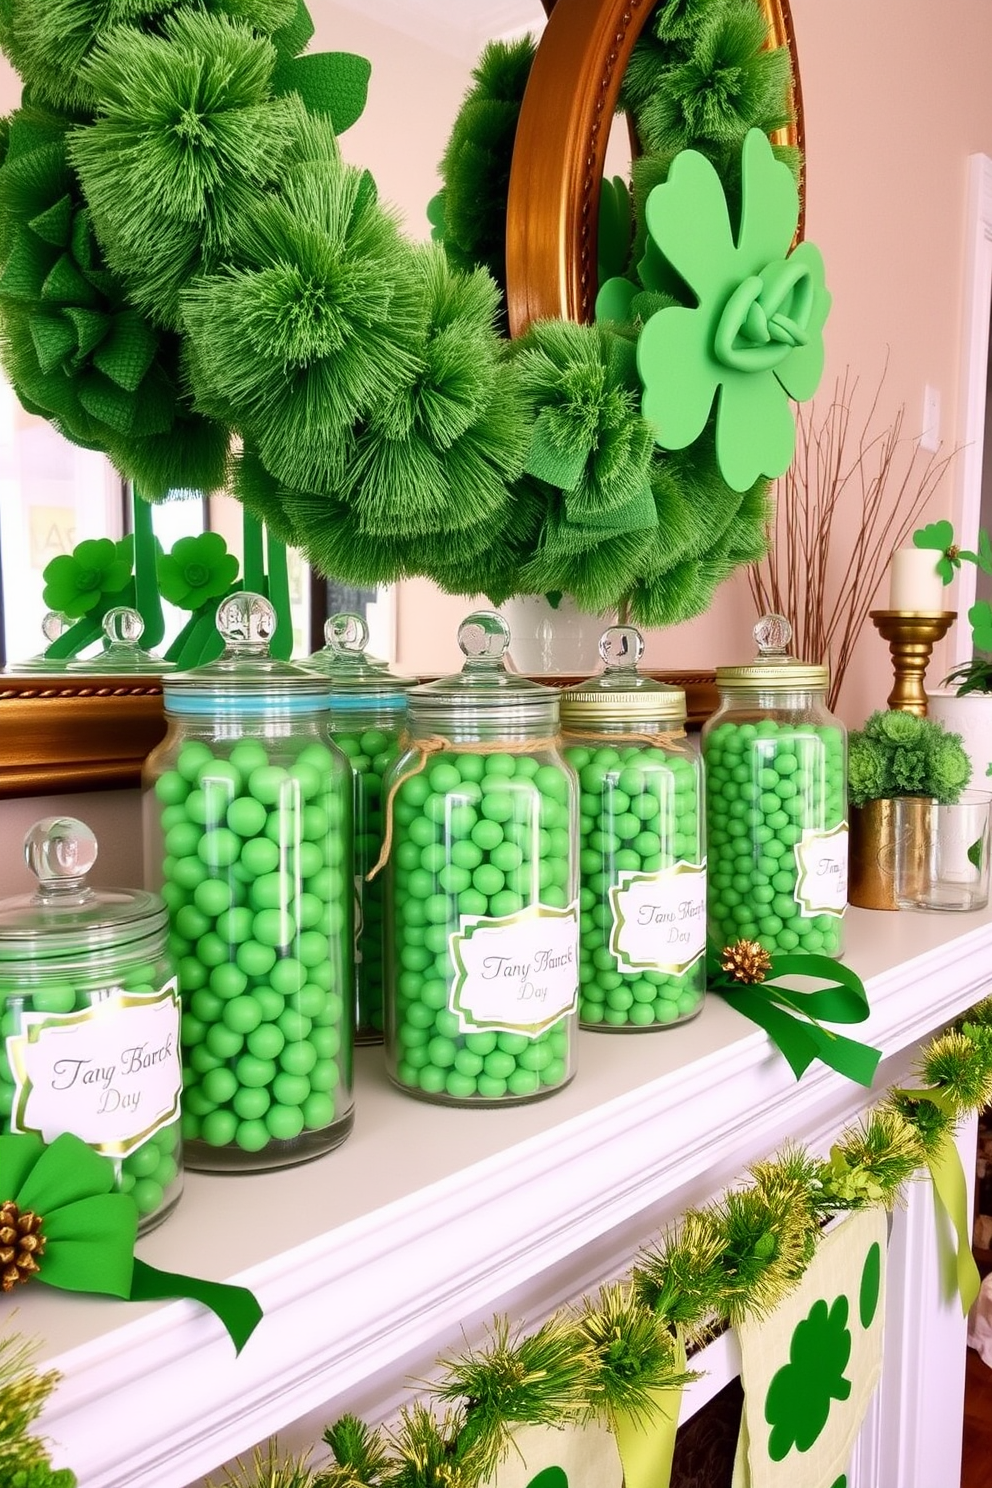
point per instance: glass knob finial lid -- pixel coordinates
(247, 623)
(346, 634)
(484, 639)
(123, 628)
(773, 634)
(60, 851)
(621, 648)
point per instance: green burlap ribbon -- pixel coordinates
(90, 1232)
(793, 1019)
(951, 1193)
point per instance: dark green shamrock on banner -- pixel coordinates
(798, 1402)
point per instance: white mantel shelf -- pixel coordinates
(428, 1219)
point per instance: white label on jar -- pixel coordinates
(659, 919)
(821, 866)
(518, 973)
(110, 1074)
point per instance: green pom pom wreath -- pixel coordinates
(186, 261)
(185, 140)
(476, 164)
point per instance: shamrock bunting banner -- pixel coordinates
(810, 1369)
(568, 1457)
(63, 1225)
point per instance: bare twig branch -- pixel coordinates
(853, 492)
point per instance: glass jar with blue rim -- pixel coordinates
(248, 835)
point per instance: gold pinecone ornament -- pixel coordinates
(21, 1245)
(745, 961)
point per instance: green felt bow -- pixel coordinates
(89, 1231)
(951, 1193)
(791, 1018)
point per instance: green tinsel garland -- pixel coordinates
(24, 1460)
(733, 1259)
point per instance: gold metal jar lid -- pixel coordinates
(773, 670)
(620, 693)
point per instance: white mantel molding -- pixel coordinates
(583, 1179)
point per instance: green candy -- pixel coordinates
(639, 813)
(475, 836)
(766, 784)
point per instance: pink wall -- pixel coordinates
(896, 99)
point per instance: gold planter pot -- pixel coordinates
(889, 849)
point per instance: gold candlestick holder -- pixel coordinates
(912, 635)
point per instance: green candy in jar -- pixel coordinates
(367, 711)
(90, 1018)
(482, 923)
(248, 829)
(776, 799)
(642, 891)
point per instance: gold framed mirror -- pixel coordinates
(559, 150)
(68, 733)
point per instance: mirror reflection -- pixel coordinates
(56, 494)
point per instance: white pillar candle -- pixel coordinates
(914, 583)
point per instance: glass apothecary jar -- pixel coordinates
(642, 893)
(89, 1012)
(248, 832)
(367, 714)
(776, 804)
(481, 913)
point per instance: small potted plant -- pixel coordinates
(897, 756)
(963, 703)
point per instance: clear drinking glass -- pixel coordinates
(942, 853)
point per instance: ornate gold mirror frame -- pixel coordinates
(61, 734)
(559, 151)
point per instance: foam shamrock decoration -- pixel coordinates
(78, 583)
(940, 536)
(65, 1226)
(197, 570)
(754, 339)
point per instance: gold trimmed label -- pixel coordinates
(659, 919)
(821, 865)
(110, 1074)
(518, 973)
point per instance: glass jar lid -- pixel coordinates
(355, 677)
(773, 669)
(123, 652)
(245, 678)
(620, 693)
(65, 916)
(484, 691)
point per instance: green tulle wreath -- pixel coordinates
(193, 280)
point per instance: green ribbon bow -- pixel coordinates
(791, 1018)
(89, 1232)
(951, 1192)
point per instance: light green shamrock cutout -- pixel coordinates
(940, 536)
(798, 1401)
(550, 1477)
(980, 618)
(755, 336)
